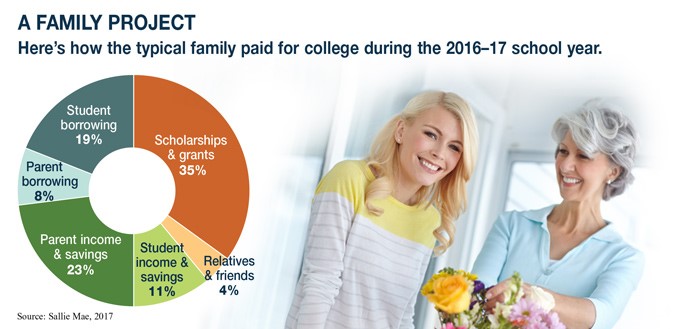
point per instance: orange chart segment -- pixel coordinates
(203, 154)
(198, 250)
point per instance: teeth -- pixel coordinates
(429, 165)
(570, 180)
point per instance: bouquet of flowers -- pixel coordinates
(459, 299)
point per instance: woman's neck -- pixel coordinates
(405, 192)
(405, 195)
(577, 217)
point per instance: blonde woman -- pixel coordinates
(375, 222)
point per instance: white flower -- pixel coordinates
(503, 310)
(542, 298)
(513, 288)
(493, 320)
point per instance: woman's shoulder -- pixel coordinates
(522, 221)
(351, 169)
(617, 244)
(346, 174)
(532, 215)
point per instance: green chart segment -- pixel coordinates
(149, 267)
(101, 268)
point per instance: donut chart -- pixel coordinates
(201, 152)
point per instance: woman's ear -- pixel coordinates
(614, 173)
(398, 133)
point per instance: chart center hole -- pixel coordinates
(132, 190)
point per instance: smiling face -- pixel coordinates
(430, 147)
(581, 177)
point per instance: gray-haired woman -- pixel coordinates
(569, 249)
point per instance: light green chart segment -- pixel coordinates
(43, 178)
(162, 276)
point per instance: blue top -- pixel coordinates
(603, 268)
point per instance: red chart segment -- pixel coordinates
(201, 150)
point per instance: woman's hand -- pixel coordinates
(497, 293)
(574, 312)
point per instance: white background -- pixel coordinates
(272, 102)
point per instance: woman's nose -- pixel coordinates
(438, 151)
(566, 164)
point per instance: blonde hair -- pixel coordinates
(449, 195)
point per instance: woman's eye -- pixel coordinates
(583, 156)
(455, 148)
(431, 134)
(562, 152)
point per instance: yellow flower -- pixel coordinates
(449, 293)
(470, 276)
(428, 287)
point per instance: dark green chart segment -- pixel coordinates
(80, 250)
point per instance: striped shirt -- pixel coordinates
(361, 270)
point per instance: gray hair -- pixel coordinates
(598, 127)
